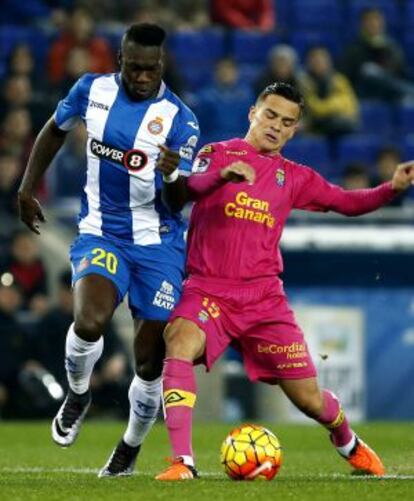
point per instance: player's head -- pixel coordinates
(140, 59)
(275, 117)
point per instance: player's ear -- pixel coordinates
(252, 113)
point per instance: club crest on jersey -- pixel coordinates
(155, 126)
(133, 159)
(280, 177)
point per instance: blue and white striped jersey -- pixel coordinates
(122, 193)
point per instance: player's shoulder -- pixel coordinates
(228, 147)
(184, 109)
(87, 79)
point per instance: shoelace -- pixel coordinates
(121, 459)
(71, 412)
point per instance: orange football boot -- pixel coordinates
(365, 461)
(178, 471)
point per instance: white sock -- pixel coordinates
(188, 460)
(80, 359)
(144, 404)
(345, 450)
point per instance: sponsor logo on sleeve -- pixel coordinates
(207, 149)
(193, 124)
(201, 165)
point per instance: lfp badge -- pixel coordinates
(280, 177)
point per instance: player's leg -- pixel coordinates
(185, 342)
(144, 396)
(95, 299)
(101, 278)
(325, 408)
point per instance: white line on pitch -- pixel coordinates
(318, 476)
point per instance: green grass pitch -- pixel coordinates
(33, 468)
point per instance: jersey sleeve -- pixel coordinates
(184, 139)
(72, 108)
(314, 193)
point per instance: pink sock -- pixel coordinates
(179, 387)
(333, 418)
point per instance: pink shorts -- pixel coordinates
(255, 319)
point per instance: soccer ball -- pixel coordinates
(250, 452)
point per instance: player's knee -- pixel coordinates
(90, 327)
(183, 340)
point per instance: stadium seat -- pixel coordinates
(197, 46)
(408, 13)
(376, 118)
(358, 148)
(310, 14)
(407, 147)
(312, 151)
(405, 118)
(304, 40)
(251, 47)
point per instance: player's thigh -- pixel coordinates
(100, 277)
(184, 339)
(274, 352)
(149, 348)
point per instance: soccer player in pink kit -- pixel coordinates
(244, 191)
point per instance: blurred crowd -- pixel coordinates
(352, 59)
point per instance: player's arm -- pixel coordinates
(201, 185)
(47, 144)
(319, 195)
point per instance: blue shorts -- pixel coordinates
(152, 275)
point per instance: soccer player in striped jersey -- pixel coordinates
(141, 140)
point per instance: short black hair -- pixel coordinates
(146, 34)
(285, 90)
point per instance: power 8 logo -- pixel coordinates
(135, 160)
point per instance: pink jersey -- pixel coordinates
(235, 228)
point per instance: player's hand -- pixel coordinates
(403, 176)
(168, 160)
(30, 211)
(238, 172)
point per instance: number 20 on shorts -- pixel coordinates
(105, 259)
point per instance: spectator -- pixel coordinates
(356, 177)
(332, 107)
(13, 343)
(27, 268)
(9, 176)
(112, 373)
(79, 33)
(386, 162)
(18, 93)
(78, 63)
(16, 134)
(222, 107)
(244, 14)
(282, 67)
(374, 62)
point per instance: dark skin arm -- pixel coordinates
(47, 144)
(174, 195)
